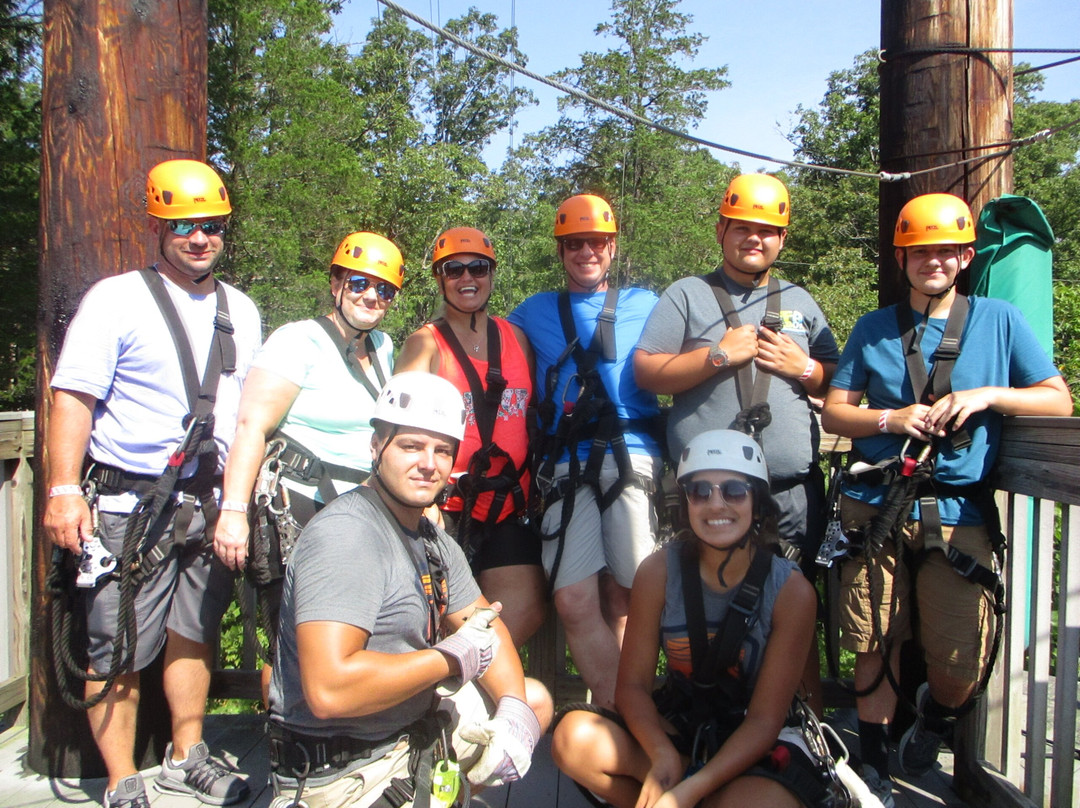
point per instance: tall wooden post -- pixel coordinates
(937, 108)
(124, 88)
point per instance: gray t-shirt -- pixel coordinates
(688, 317)
(351, 566)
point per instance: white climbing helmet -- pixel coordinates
(424, 401)
(723, 450)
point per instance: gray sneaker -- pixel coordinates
(919, 747)
(880, 787)
(130, 793)
(200, 776)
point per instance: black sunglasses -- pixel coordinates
(455, 269)
(733, 492)
(597, 243)
(358, 284)
(185, 227)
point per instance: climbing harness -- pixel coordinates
(487, 396)
(910, 479)
(157, 503)
(591, 416)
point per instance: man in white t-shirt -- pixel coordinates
(141, 353)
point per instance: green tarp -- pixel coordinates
(1014, 261)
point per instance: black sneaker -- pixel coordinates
(130, 793)
(918, 751)
(200, 776)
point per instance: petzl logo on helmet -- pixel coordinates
(710, 452)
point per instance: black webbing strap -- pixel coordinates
(300, 464)
(936, 384)
(711, 660)
(198, 439)
(487, 399)
(752, 388)
(347, 348)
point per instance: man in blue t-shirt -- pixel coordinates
(1000, 370)
(599, 459)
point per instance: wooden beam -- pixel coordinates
(124, 87)
(938, 108)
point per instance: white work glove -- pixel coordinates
(508, 740)
(472, 646)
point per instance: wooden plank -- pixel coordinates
(1062, 786)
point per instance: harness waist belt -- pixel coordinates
(294, 754)
(113, 480)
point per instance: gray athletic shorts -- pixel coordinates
(187, 592)
(619, 539)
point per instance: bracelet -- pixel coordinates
(233, 505)
(883, 421)
(65, 491)
(810, 365)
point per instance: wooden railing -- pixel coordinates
(1028, 717)
(16, 521)
(1027, 720)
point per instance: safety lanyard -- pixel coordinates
(746, 381)
(347, 347)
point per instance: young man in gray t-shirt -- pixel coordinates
(380, 619)
(711, 362)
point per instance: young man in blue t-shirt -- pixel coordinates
(1000, 370)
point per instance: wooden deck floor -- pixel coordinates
(239, 740)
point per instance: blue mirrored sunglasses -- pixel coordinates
(185, 227)
(358, 284)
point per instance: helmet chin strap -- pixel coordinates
(357, 332)
(730, 554)
(376, 476)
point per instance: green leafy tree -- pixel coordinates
(20, 157)
(664, 191)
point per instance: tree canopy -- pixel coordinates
(317, 139)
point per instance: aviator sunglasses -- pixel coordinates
(455, 269)
(732, 492)
(185, 227)
(358, 284)
(597, 243)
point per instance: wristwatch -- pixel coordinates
(718, 356)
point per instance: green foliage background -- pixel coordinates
(317, 140)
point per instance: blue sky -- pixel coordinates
(778, 54)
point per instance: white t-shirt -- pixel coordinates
(119, 350)
(331, 416)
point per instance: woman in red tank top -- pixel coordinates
(491, 363)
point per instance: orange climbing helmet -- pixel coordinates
(584, 213)
(462, 240)
(185, 189)
(760, 198)
(371, 254)
(934, 219)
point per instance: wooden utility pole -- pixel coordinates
(939, 108)
(124, 88)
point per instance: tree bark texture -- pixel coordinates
(938, 109)
(124, 88)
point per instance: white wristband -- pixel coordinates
(883, 421)
(810, 365)
(234, 505)
(65, 491)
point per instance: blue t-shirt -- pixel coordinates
(538, 317)
(997, 349)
